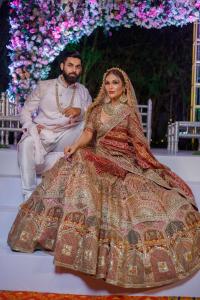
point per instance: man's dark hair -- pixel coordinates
(67, 54)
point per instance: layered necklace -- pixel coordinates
(112, 110)
(59, 106)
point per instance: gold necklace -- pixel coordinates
(112, 110)
(60, 108)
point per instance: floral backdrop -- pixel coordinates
(40, 29)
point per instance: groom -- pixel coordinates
(52, 118)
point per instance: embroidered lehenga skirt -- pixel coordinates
(133, 226)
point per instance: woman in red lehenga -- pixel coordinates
(112, 210)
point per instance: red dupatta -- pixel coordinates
(143, 158)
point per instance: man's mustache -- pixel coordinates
(70, 74)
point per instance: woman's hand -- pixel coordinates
(69, 150)
(83, 141)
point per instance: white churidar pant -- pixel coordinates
(26, 157)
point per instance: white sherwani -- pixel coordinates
(45, 103)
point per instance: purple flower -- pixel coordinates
(40, 29)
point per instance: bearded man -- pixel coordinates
(52, 118)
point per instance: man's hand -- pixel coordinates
(72, 112)
(40, 127)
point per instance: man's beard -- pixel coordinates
(69, 78)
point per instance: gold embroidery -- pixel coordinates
(101, 261)
(132, 270)
(49, 243)
(24, 236)
(162, 267)
(111, 265)
(88, 254)
(188, 256)
(66, 250)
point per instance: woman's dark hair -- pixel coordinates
(67, 54)
(117, 74)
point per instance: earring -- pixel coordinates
(123, 98)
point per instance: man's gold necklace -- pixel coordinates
(60, 108)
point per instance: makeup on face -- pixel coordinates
(113, 86)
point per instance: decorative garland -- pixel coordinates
(41, 29)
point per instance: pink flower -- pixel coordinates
(33, 30)
(57, 29)
(65, 24)
(16, 3)
(153, 12)
(192, 18)
(118, 17)
(56, 35)
(122, 9)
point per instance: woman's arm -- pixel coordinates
(83, 141)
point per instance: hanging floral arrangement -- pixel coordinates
(41, 29)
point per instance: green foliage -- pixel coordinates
(196, 153)
(91, 56)
(157, 61)
(4, 146)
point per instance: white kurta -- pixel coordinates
(58, 129)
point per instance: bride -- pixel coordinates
(109, 208)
